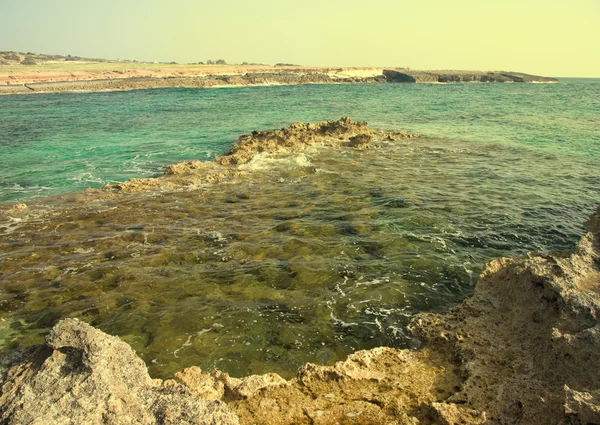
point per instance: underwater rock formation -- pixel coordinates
(341, 133)
(524, 349)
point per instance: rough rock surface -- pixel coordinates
(528, 341)
(83, 376)
(298, 136)
(525, 349)
(341, 133)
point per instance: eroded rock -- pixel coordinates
(531, 327)
(344, 133)
(524, 349)
(84, 376)
(299, 136)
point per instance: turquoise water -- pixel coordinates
(303, 256)
(55, 143)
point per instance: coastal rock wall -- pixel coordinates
(292, 76)
(136, 83)
(524, 349)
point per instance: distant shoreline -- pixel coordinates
(20, 79)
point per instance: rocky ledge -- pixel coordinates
(524, 349)
(343, 133)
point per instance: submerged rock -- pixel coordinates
(298, 136)
(524, 349)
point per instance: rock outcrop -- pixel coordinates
(524, 349)
(299, 136)
(344, 133)
(83, 376)
(408, 76)
(528, 341)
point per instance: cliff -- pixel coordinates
(524, 349)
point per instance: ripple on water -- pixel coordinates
(303, 257)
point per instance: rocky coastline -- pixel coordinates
(16, 83)
(524, 349)
(343, 133)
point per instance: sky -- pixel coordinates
(559, 38)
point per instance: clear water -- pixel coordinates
(304, 256)
(56, 143)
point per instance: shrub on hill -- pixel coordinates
(28, 61)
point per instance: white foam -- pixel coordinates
(84, 251)
(265, 161)
(185, 344)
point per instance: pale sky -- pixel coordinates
(558, 38)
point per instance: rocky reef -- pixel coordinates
(525, 348)
(344, 133)
(299, 136)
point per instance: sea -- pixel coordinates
(303, 256)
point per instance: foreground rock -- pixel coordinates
(528, 341)
(83, 376)
(524, 349)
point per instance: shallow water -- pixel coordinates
(57, 143)
(304, 257)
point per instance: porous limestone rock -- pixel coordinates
(298, 136)
(530, 331)
(84, 376)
